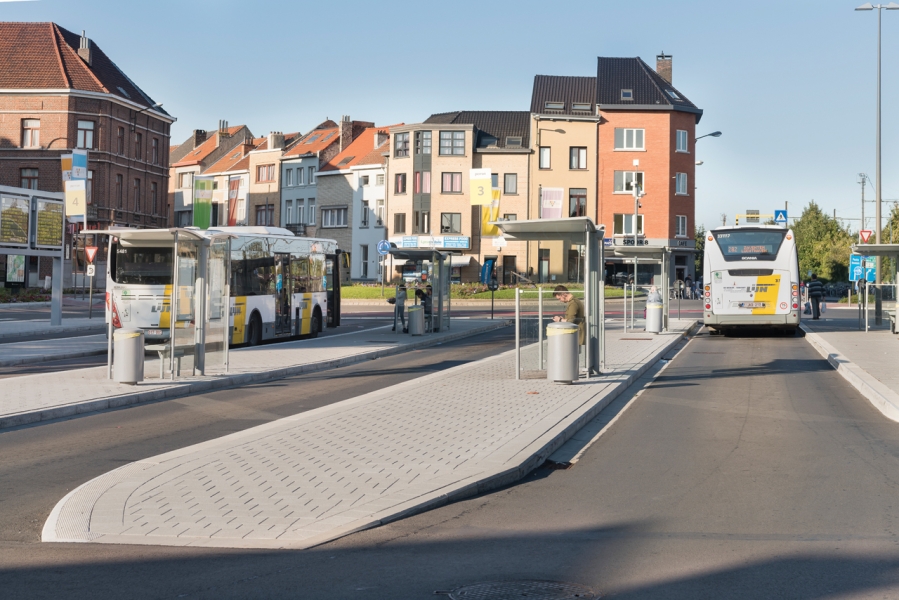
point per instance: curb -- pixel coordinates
(227, 381)
(882, 397)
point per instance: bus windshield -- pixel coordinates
(142, 266)
(748, 244)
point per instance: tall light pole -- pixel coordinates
(877, 186)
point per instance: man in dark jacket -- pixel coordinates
(815, 294)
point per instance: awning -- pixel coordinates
(416, 255)
(876, 249)
(159, 237)
(649, 252)
(460, 261)
(572, 230)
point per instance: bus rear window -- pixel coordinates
(748, 244)
(142, 266)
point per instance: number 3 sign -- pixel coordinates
(481, 186)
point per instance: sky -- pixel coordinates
(791, 84)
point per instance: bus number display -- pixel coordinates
(750, 250)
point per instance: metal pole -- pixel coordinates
(491, 304)
(634, 296)
(624, 312)
(878, 188)
(90, 299)
(227, 277)
(173, 306)
(540, 327)
(517, 333)
(587, 300)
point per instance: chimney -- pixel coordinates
(275, 140)
(663, 66)
(346, 132)
(199, 137)
(84, 49)
(223, 128)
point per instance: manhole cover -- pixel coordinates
(508, 590)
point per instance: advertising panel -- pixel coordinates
(14, 220)
(49, 232)
(203, 201)
(15, 268)
(551, 203)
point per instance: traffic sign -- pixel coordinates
(862, 267)
(91, 270)
(90, 252)
(383, 247)
(780, 217)
(865, 235)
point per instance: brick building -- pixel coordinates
(60, 91)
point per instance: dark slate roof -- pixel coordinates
(649, 88)
(493, 126)
(566, 90)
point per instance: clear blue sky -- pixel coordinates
(790, 83)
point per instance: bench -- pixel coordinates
(164, 351)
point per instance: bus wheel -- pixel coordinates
(316, 325)
(254, 330)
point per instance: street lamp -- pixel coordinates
(145, 109)
(713, 134)
(877, 187)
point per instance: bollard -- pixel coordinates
(561, 352)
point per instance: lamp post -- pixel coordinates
(713, 134)
(877, 186)
(145, 109)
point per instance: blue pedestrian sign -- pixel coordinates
(858, 270)
(383, 247)
(780, 217)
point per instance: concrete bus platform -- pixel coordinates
(32, 398)
(867, 360)
(12, 329)
(322, 474)
(35, 351)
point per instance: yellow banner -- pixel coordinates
(76, 197)
(480, 184)
(489, 213)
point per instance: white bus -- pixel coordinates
(751, 278)
(281, 285)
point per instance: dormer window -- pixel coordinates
(554, 105)
(673, 94)
(513, 142)
(584, 106)
(627, 94)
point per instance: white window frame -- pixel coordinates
(300, 178)
(510, 184)
(310, 214)
(455, 145)
(680, 187)
(364, 218)
(624, 181)
(622, 144)
(577, 158)
(312, 175)
(682, 141)
(379, 179)
(333, 217)
(379, 213)
(545, 157)
(288, 212)
(31, 133)
(622, 224)
(85, 134)
(680, 226)
(288, 178)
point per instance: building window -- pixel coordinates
(681, 226)
(451, 223)
(544, 157)
(627, 94)
(120, 141)
(416, 182)
(629, 139)
(119, 183)
(577, 158)
(451, 183)
(138, 145)
(422, 222)
(288, 212)
(379, 212)
(300, 174)
(265, 215)
(28, 178)
(184, 180)
(364, 221)
(426, 182)
(423, 142)
(624, 181)
(311, 212)
(624, 224)
(399, 223)
(31, 133)
(494, 180)
(510, 183)
(363, 180)
(288, 177)
(85, 135)
(154, 197)
(155, 147)
(379, 180)
(136, 195)
(510, 217)
(399, 186)
(682, 141)
(681, 181)
(334, 217)
(577, 202)
(401, 145)
(265, 173)
(301, 211)
(311, 175)
(363, 261)
(452, 142)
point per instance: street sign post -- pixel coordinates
(383, 247)
(780, 217)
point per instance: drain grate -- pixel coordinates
(534, 589)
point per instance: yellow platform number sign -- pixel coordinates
(481, 187)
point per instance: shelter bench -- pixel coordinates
(165, 352)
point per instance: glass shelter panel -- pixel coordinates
(184, 311)
(218, 307)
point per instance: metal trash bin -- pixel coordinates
(653, 317)
(561, 352)
(416, 320)
(128, 348)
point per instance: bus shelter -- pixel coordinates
(654, 255)
(196, 306)
(437, 279)
(890, 251)
(576, 231)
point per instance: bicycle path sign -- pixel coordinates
(862, 267)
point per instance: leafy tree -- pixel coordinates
(699, 236)
(823, 245)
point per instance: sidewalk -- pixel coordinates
(319, 475)
(12, 329)
(20, 353)
(866, 360)
(32, 398)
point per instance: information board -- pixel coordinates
(49, 224)
(14, 215)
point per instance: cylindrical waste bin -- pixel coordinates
(653, 317)
(561, 352)
(416, 318)
(128, 348)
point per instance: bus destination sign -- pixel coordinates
(14, 214)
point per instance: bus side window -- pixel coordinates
(299, 266)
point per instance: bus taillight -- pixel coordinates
(115, 316)
(708, 307)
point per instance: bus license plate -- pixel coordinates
(154, 332)
(751, 305)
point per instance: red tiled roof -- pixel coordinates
(234, 159)
(45, 56)
(361, 152)
(198, 154)
(314, 141)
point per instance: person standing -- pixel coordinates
(815, 294)
(400, 308)
(574, 312)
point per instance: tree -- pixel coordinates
(823, 245)
(699, 236)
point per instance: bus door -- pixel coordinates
(282, 294)
(332, 287)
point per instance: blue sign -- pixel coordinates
(456, 242)
(410, 241)
(867, 272)
(780, 217)
(383, 247)
(607, 242)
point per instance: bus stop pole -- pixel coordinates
(517, 333)
(173, 307)
(227, 295)
(539, 327)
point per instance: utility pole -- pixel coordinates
(723, 219)
(862, 179)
